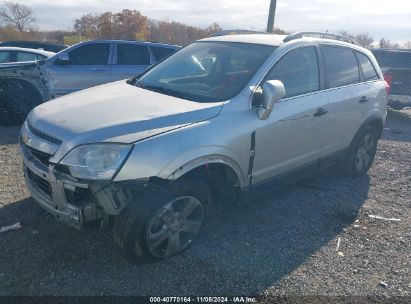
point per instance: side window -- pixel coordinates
(367, 67)
(90, 54)
(131, 54)
(161, 52)
(4, 57)
(23, 56)
(340, 65)
(298, 71)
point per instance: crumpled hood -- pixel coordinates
(116, 112)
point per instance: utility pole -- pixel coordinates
(271, 16)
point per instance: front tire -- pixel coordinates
(162, 222)
(20, 98)
(361, 152)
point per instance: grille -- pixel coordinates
(43, 135)
(42, 184)
(41, 156)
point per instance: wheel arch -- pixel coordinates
(4, 82)
(206, 163)
(375, 121)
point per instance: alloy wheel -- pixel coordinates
(365, 152)
(174, 227)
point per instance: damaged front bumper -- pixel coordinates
(71, 201)
(51, 190)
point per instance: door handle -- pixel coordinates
(363, 99)
(320, 112)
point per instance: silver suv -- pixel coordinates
(221, 116)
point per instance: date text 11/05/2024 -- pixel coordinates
(238, 299)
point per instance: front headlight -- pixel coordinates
(96, 161)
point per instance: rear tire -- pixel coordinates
(162, 222)
(361, 153)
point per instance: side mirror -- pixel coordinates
(273, 91)
(63, 58)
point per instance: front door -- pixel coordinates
(291, 137)
(88, 66)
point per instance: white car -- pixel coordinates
(16, 54)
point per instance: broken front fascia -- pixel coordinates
(76, 202)
(30, 72)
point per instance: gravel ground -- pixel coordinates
(279, 243)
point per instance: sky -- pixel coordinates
(389, 19)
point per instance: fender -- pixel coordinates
(30, 74)
(181, 165)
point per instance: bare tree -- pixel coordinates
(87, 25)
(407, 45)
(346, 34)
(387, 44)
(18, 15)
(131, 24)
(364, 39)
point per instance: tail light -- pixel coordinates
(388, 82)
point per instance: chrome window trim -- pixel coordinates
(323, 87)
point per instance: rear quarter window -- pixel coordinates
(367, 67)
(340, 65)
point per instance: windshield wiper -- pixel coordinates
(167, 91)
(163, 90)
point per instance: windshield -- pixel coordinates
(207, 71)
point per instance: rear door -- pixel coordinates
(130, 60)
(348, 95)
(88, 66)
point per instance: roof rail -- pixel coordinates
(326, 35)
(237, 32)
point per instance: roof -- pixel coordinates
(26, 50)
(237, 32)
(160, 44)
(32, 41)
(266, 39)
(277, 40)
